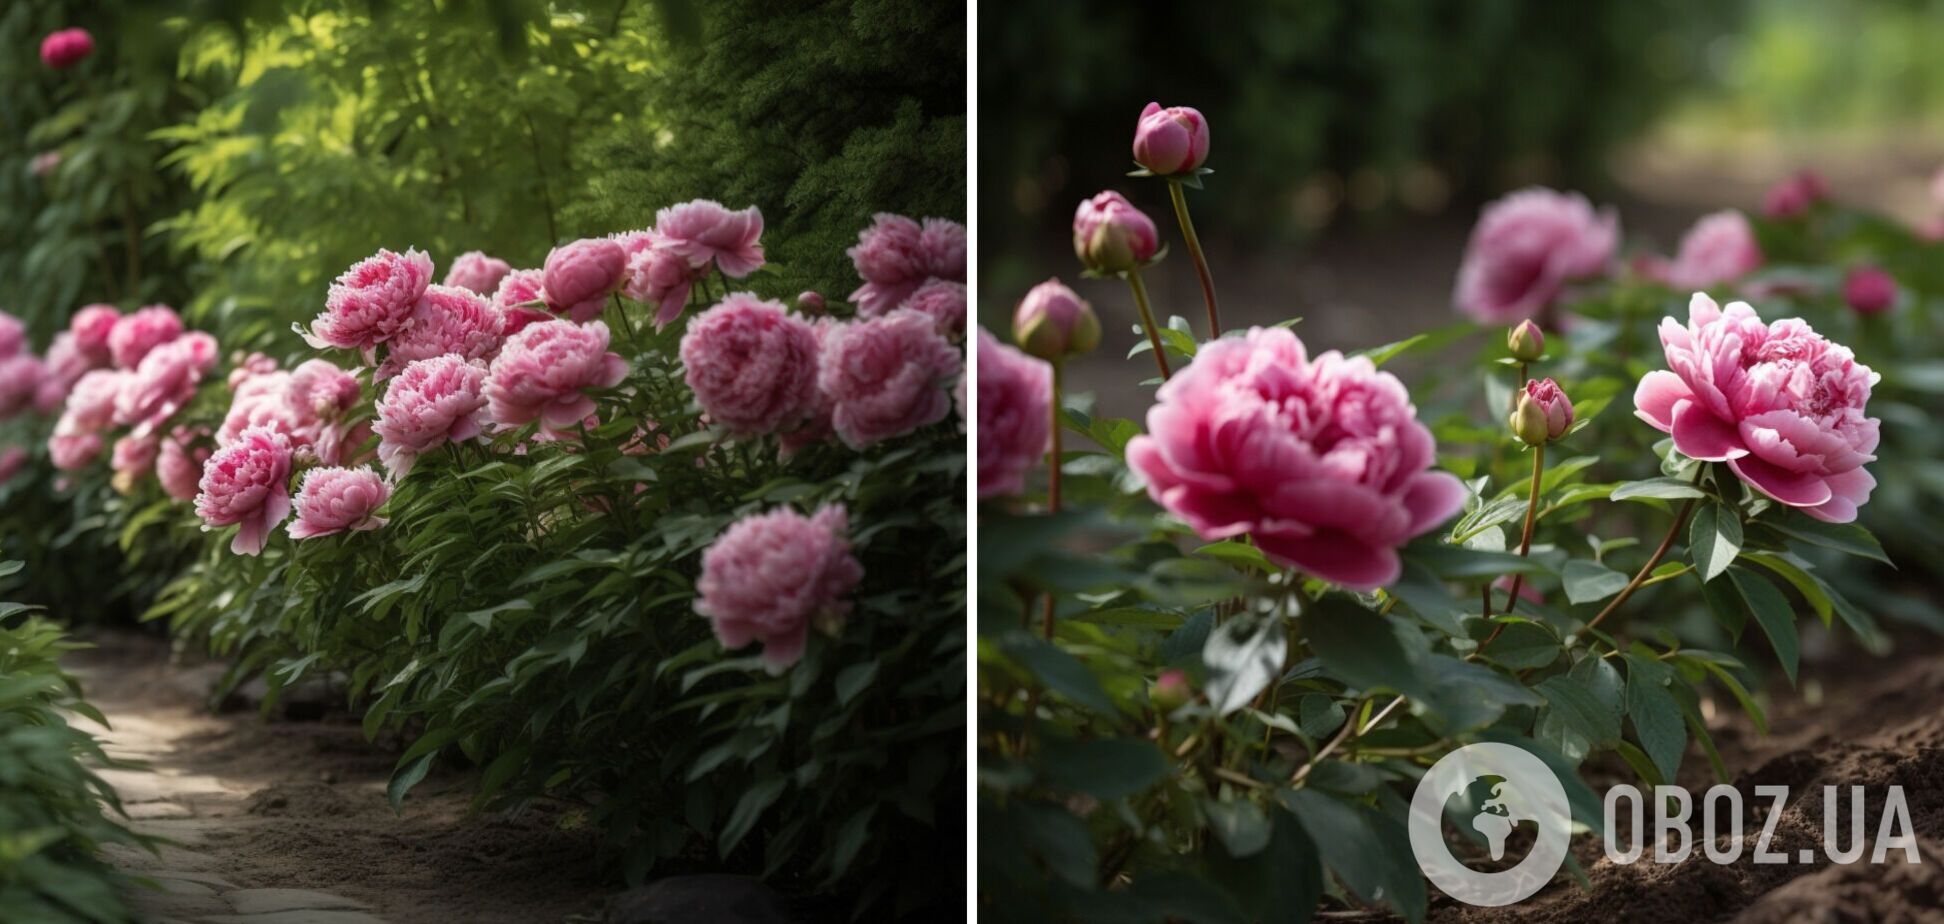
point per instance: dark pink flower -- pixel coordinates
(580, 276)
(92, 327)
(371, 301)
(886, 377)
(477, 272)
(247, 484)
(703, 230)
(943, 301)
(1110, 235)
(770, 576)
(1869, 290)
(545, 372)
(1172, 140)
(751, 364)
(1524, 250)
(13, 336)
(20, 381)
(66, 48)
(335, 500)
(431, 402)
(1793, 196)
(1719, 248)
(164, 381)
(1015, 422)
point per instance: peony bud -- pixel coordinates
(1110, 235)
(1794, 195)
(1526, 342)
(1542, 413)
(1172, 140)
(1054, 323)
(810, 302)
(1869, 290)
(66, 48)
(1171, 691)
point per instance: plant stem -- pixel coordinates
(1147, 320)
(1180, 198)
(1525, 545)
(621, 311)
(1666, 543)
(1351, 728)
(1053, 482)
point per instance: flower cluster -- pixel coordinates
(896, 255)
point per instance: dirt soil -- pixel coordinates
(301, 805)
(1853, 720)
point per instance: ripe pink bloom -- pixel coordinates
(544, 372)
(320, 388)
(704, 230)
(515, 297)
(478, 272)
(72, 450)
(13, 336)
(12, 460)
(1779, 403)
(1524, 250)
(771, 575)
(815, 427)
(261, 401)
(133, 456)
(447, 320)
(1110, 235)
(895, 255)
(179, 461)
(65, 361)
(430, 402)
(752, 365)
(580, 276)
(1015, 407)
(1794, 195)
(1719, 248)
(91, 403)
(333, 500)
(247, 484)
(1869, 290)
(661, 276)
(20, 381)
(243, 367)
(1172, 140)
(886, 377)
(1323, 462)
(92, 327)
(165, 380)
(66, 48)
(371, 301)
(135, 335)
(943, 301)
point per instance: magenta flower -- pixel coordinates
(477, 272)
(580, 276)
(943, 301)
(663, 277)
(1794, 196)
(334, 500)
(1869, 290)
(1172, 140)
(429, 403)
(545, 371)
(1719, 248)
(1524, 250)
(92, 327)
(886, 377)
(704, 230)
(66, 48)
(895, 255)
(13, 336)
(1323, 462)
(751, 364)
(1110, 235)
(1780, 404)
(447, 320)
(371, 301)
(135, 335)
(1015, 404)
(771, 575)
(164, 381)
(179, 461)
(20, 382)
(247, 484)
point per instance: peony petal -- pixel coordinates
(1335, 557)
(1655, 397)
(781, 651)
(1699, 434)
(1432, 498)
(1796, 489)
(1848, 491)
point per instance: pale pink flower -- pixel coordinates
(65, 361)
(247, 484)
(92, 326)
(1719, 248)
(1782, 405)
(1110, 235)
(544, 372)
(20, 381)
(752, 365)
(91, 403)
(580, 276)
(132, 457)
(477, 272)
(243, 367)
(516, 297)
(1015, 415)
(895, 255)
(179, 461)
(943, 301)
(371, 301)
(770, 576)
(334, 500)
(164, 381)
(1170, 141)
(1524, 250)
(13, 336)
(1322, 462)
(261, 401)
(886, 377)
(704, 230)
(447, 320)
(135, 335)
(429, 403)
(663, 277)
(72, 450)
(319, 387)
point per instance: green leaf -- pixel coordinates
(1524, 645)
(1724, 602)
(1453, 563)
(1772, 612)
(1319, 714)
(1105, 768)
(1714, 539)
(1848, 538)
(1576, 704)
(1587, 581)
(403, 781)
(1369, 851)
(1655, 489)
(1061, 672)
(1234, 552)
(1755, 715)
(1812, 590)
(749, 809)
(1358, 646)
(1243, 656)
(1282, 883)
(1656, 717)
(1242, 826)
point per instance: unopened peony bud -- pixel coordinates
(1526, 342)
(1110, 235)
(1542, 413)
(1869, 290)
(66, 48)
(1053, 323)
(1172, 140)
(1171, 691)
(810, 302)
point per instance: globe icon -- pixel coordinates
(1488, 790)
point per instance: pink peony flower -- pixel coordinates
(447, 320)
(1794, 195)
(544, 372)
(477, 272)
(262, 401)
(1779, 403)
(135, 335)
(91, 403)
(179, 461)
(704, 230)
(515, 297)
(943, 301)
(771, 575)
(1015, 423)
(580, 276)
(13, 336)
(66, 48)
(1172, 140)
(72, 450)
(815, 427)
(895, 255)
(165, 380)
(430, 402)
(20, 381)
(1323, 462)
(1869, 290)
(12, 460)
(1110, 235)
(322, 390)
(1524, 250)
(752, 366)
(1719, 248)
(132, 457)
(371, 301)
(886, 377)
(1053, 322)
(92, 327)
(1542, 413)
(333, 500)
(65, 361)
(247, 484)
(663, 277)
(244, 367)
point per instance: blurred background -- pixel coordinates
(1354, 142)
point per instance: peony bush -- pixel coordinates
(1219, 643)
